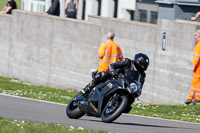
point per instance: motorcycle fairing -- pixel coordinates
(100, 94)
(104, 90)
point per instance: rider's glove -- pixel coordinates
(114, 73)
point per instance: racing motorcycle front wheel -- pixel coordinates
(114, 108)
(73, 110)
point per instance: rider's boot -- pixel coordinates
(83, 93)
(85, 90)
(88, 88)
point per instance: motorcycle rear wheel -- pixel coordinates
(72, 109)
(111, 113)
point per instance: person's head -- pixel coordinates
(197, 35)
(141, 61)
(110, 36)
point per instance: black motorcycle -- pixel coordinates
(107, 100)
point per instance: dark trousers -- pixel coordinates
(71, 15)
(99, 78)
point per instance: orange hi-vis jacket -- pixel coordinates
(195, 85)
(109, 52)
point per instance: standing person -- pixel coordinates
(11, 4)
(195, 85)
(71, 8)
(109, 52)
(54, 8)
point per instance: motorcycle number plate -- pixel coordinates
(110, 85)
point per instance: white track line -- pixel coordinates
(162, 119)
(32, 99)
(66, 105)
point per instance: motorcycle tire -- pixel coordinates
(73, 111)
(122, 105)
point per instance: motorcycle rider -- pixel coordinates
(140, 63)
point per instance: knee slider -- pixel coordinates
(100, 77)
(104, 76)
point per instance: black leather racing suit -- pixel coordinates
(122, 64)
(126, 64)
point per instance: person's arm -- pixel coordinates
(1, 12)
(142, 78)
(76, 2)
(53, 7)
(66, 4)
(7, 9)
(120, 53)
(196, 59)
(101, 51)
(196, 16)
(119, 65)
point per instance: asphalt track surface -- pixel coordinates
(18, 108)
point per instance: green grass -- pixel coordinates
(190, 113)
(3, 3)
(10, 126)
(20, 88)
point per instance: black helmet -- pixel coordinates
(141, 61)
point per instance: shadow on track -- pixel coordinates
(138, 124)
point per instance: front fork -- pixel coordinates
(114, 100)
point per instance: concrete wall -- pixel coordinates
(60, 52)
(5, 43)
(48, 50)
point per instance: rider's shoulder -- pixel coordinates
(143, 74)
(126, 60)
